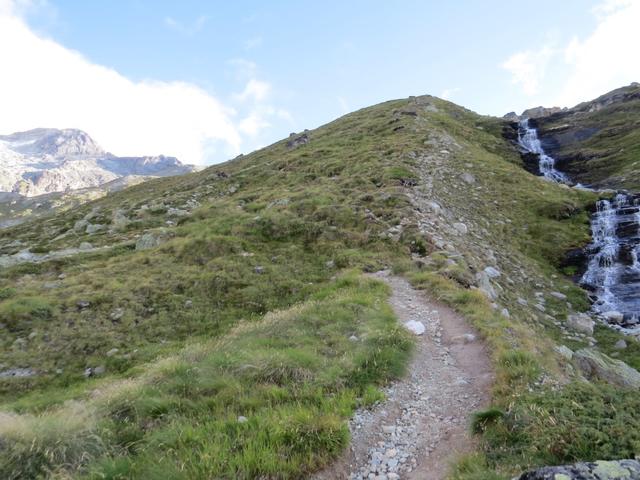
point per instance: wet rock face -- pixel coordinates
(600, 470)
(613, 268)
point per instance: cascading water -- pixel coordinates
(528, 139)
(613, 269)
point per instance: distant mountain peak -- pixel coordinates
(46, 160)
(53, 142)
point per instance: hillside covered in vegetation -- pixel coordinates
(203, 326)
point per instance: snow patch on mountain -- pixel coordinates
(46, 160)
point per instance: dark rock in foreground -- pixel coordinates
(601, 470)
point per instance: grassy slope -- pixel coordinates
(243, 311)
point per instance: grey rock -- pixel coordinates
(112, 352)
(596, 365)
(613, 316)
(464, 338)
(581, 322)
(599, 470)
(85, 246)
(242, 419)
(620, 344)
(82, 304)
(94, 228)
(296, 140)
(151, 240)
(116, 314)
(434, 207)
(188, 304)
(415, 326)
(485, 286)
(177, 212)
(565, 351)
(17, 373)
(80, 225)
(468, 178)
(99, 370)
(120, 220)
(558, 295)
(258, 269)
(461, 228)
(492, 272)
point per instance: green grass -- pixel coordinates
(295, 376)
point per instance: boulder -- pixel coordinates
(565, 351)
(468, 178)
(620, 344)
(492, 272)
(120, 220)
(613, 316)
(177, 212)
(596, 365)
(416, 327)
(484, 285)
(150, 240)
(80, 225)
(297, 140)
(581, 322)
(94, 228)
(599, 470)
(461, 228)
(117, 314)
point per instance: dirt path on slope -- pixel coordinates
(423, 424)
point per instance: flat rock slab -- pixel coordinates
(601, 470)
(423, 423)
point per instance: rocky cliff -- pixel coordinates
(596, 142)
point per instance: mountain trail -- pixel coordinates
(422, 426)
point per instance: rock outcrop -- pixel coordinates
(596, 365)
(47, 160)
(600, 470)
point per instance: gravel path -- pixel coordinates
(423, 424)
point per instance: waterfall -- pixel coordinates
(528, 139)
(613, 268)
(613, 271)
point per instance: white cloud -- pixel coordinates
(585, 67)
(188, 29)
(528, 68)
(44, 84)
(255, 90)
(605, 59)
(447, 93)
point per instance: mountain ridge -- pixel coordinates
(47, 160)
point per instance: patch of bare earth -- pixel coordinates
(422, 426)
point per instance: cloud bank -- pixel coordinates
(586, 67)
(44, 84)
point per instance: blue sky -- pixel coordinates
(283, 66)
